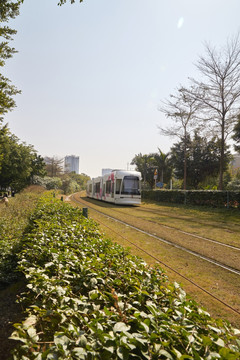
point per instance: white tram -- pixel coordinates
(117, 186)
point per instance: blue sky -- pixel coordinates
(93, 74)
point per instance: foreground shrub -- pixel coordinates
(90, 299)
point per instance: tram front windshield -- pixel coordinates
(130, 185)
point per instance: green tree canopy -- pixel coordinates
(8, 10)
(202, 159)
(163, 166)
(19, 163)
(73, 182)
(3, 134)
(148, 164)
(236, 135)
(144, 164)
(81, 179)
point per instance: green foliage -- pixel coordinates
(72, 182)
(144, 164)
(18, 162)
(90, 299)
(81, 179)
(163, 166)
(3, 134)
(8, 10)
(38, 166)
(7, 91)
(203, 158)
(234, 185)
(68, 183)
(177, 183)
(209, 183)
(47, 182)
(69, 186)
(147, 164)
(236, 135)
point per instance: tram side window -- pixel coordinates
(118, 186)
(130, 185)
(97, 188)
(90, 188)
(108, 186)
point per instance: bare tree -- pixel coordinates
(54, 166)
(219, 91)
(182, 109)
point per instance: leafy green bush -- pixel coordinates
(48, 182)
(90, 299)
(234, 185)
(69, 186)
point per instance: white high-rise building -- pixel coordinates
(71, 163)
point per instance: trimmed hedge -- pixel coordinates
(195, 197)
(90, 299)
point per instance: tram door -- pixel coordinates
(113, 186)
(118, 186)
(104, 189)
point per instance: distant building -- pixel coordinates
(71, 163)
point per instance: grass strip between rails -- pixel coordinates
(88, 298)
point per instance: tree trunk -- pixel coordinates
(185, 162)
(185, 169)
(221, 167)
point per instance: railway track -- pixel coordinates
(116, 216)
(224, 245)
(145, 209)
(216, 252)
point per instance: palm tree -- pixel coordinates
(162, 162)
